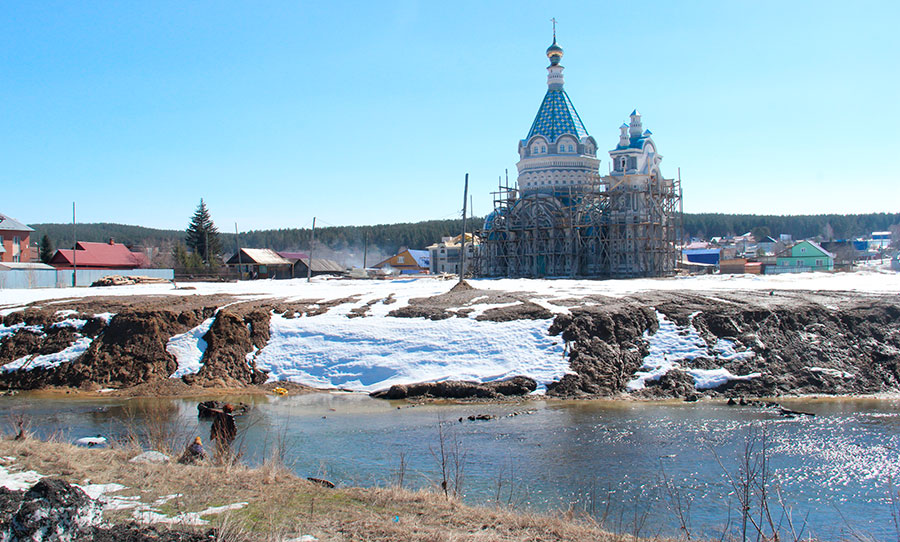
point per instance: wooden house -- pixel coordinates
(407, 262)
(260, 263)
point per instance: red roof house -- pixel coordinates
(109, 255)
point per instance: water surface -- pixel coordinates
(626, 463)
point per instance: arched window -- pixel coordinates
(570, 148)
(543, 149)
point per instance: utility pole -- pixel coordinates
(366, 250)
(74, 250)
(237, 242)
(312, 242)
(462, 264)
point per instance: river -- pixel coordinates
(626, 463)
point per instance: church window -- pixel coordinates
(570, 148)
(543, 149)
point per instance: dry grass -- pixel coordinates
(283, 505)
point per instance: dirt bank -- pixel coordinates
(792, 342)
(741, 343)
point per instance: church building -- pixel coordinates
(562, 218)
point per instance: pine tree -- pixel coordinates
(202, 235)
(46, 250)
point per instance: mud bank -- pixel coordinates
(650, 345)
(738, 343)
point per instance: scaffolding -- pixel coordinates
(612, 227)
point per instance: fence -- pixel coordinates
(62, 278)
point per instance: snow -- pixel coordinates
(671, 345)
(188, 349)
(105, 316)
(75, 323)
(184, 518)
(18, 481)
(376, 351)
(831, 372)
(368, 354)
(47, 361)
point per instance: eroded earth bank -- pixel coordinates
(649, 345)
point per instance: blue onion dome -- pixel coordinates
(554, 53)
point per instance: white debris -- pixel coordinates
(92, 442)
(831, 372)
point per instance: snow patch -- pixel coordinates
(75, 323)
(188, 348)
(671, 345)
(368, 354)
(48, 361)
(18, 481)
(105, 316)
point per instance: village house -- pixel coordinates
(260, 263)
(802, 257)
(109, 255)
(445, 257)
(301, 267)
(407, 262)
(15, 240)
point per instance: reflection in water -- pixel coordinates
(613, 460)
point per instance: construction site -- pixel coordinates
(563, 219)
(614, 227)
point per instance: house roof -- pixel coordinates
(557, 116)
(258, 256)
(293, 256)
(422, 257)
(322, 265)
(100, 255)
(9, 223)
(786, 253)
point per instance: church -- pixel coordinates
(563, 219)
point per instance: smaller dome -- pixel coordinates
(554, 53)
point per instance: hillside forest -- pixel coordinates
(346, 244)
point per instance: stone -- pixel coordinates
(150, 457)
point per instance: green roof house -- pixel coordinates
(802, 257)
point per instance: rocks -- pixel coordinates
(52, 510)
(150, 457)
(460, 389)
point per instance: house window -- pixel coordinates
(818, 263)
(799, 263)
(802, 250)
(401, 259)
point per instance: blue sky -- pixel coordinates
(372, 112)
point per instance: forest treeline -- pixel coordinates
(389, 238)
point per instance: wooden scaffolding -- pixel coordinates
(621, 226)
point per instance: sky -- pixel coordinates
(373, 112)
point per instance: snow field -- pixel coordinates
(368, 354)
